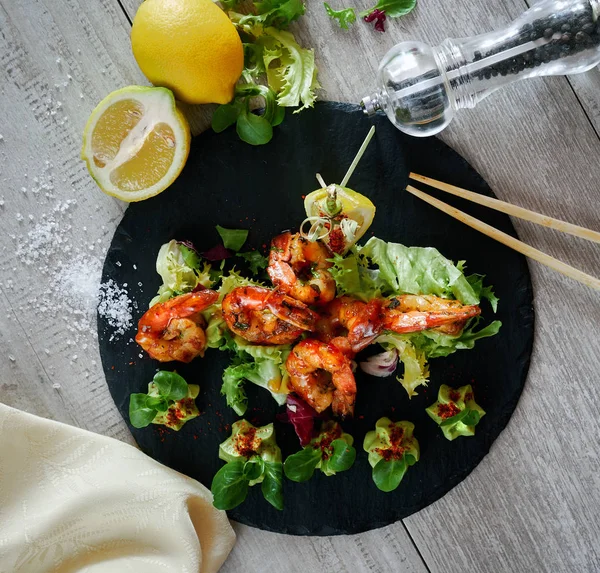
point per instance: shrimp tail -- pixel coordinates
(291, 310)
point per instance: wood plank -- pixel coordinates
(385, 549)
(587, 88)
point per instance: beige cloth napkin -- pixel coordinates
(72, 502)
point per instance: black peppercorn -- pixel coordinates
(548, 33)
(588, 28)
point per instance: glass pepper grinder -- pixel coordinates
(421, 87)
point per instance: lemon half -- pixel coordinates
(136, 142)
(354, 206)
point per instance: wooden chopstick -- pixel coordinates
(510, 209)
(509, 241)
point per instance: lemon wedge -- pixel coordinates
(350, 206)
(136, 142)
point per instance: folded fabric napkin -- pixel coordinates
(72, 502)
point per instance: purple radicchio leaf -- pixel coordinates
(383, 364)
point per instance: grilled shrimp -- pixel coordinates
(351, 324)
(412, 313)
(266, 316)
(300, 268)
(322, 376)
(173, 330)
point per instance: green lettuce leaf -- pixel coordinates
(392, 8)
(417, 270)
(435, 344)
(476, 282)
(276, 13)
(233, 239)
(353, 277)
(256, 261)
(181, 270)
(291, 70)
(233, 389)
(345, 17)
(261, 365)
(415, 349)
(414, 359)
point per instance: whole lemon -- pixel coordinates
(190, 47)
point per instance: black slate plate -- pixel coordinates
(233, 184)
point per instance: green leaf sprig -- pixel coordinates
(251, 128)
(233, 239)
(252, 457)
(231, 483)
(392, 8)
(276, 13)
(331, 451)
(257, 262)
(456, 411)
(345, 17)
(169, 402)
(392, 449)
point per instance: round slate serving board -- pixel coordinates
(230, 183)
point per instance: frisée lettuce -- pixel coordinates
(387, 269)
(181, 269)
(261, 365)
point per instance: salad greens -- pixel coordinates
(181, 269)
(169, 402)
(331, 452)
(277, 13)
(392, 448)
(456, 411)
(392, 8)
(251, 128)
(291, 70)
(272, 51)
(345, 17)
(301, 416)
(252, 457)
(233, 239)
(386, 269)
(261, 365)
(256, 261)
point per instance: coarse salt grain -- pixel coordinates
(73, 292)
(115, 307)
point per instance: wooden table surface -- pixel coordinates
(533, 504)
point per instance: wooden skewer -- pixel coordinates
(509, 241)
(510, 209)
